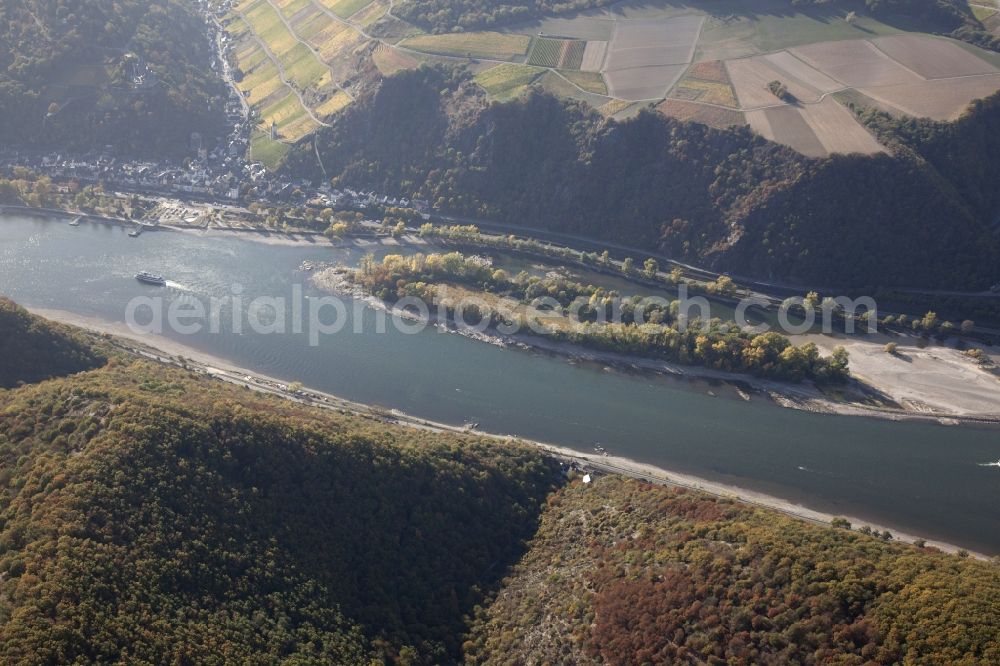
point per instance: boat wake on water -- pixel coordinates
(990, 464)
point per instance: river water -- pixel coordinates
(924, 478)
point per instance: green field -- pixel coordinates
(750, 34)
(346, 8)
(592, 82)
(290, 8)
(263, 149)
(302, 67)
(316, 24)
(472, 44)
(982, 12)
(505, 82)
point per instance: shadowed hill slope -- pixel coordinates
(726, 199)
(33, 349)
(153, 517)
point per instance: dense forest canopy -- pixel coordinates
(623, 572)
(147, 516)
(79, 74)
(724, 198)
(151, 515)
(33, 349)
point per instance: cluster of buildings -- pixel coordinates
(199, 177)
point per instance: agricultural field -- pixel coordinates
(591, 82)
(701, 113)
(496, 45)
(301, 66)
(373, 12)
(708, 83)
(557, 53)
(857, 64)
(555, 82)
(751, 76)
(593, 56)
(645, 58)
(732, 31)
(614, 107)
(983, 11)
(390, 60)
(911, 74)
(941, 99)
(815, 130)
(263, 149)
(346, 8)
(932, 58)
(291, 8)
(715, 68)
(336, 102)
(507, 81)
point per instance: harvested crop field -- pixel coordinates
(751, 76)
(700, 113)
(593, 56)
(815, 130)
(855, 63)
(646, 57)
(784, 124)
(932, 58)
(795, 69)
(940, 99)
(476, 44)
(838, 130)
(644, 82)
(652, 43)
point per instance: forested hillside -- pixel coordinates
(147, 516)
(945, 16)
(623, 572)
(33, 349)
(78, 74)
(723, 198)
(151, 515)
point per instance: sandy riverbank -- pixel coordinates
(161, 348)
(936, 379)
(267, 237)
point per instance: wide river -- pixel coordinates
(924, 478)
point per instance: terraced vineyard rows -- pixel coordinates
(291, 54)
